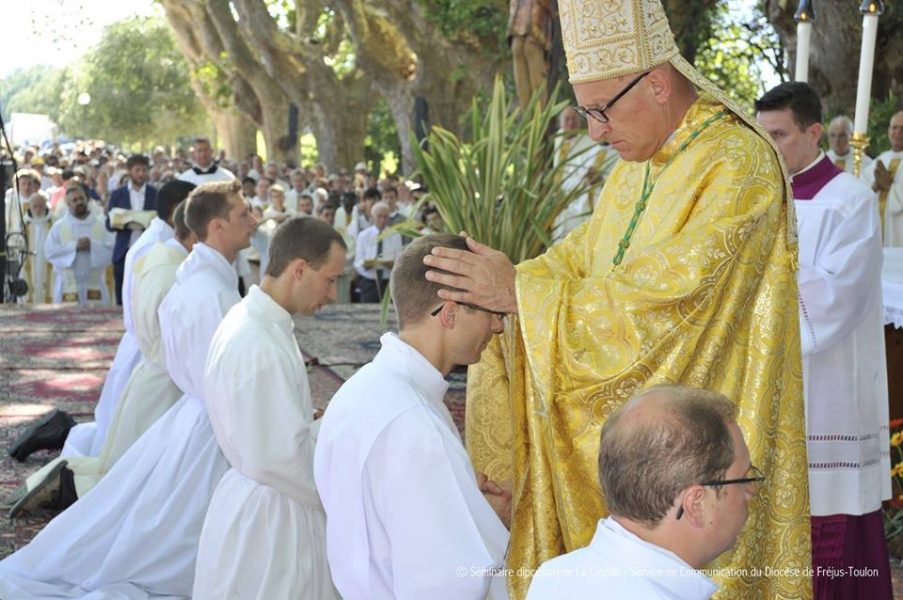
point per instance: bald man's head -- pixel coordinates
(895, 132)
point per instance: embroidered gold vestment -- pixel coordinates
(706, 295)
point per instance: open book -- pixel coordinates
(121, 217)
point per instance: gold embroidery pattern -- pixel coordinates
(705, 295)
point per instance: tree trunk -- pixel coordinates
(274, 109)
(235, 132)
(339, 134)
(401, 105)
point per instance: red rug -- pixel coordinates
(57, 357)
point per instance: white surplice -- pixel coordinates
(136, 532)
(87, 439)
(37, 272)
(618, 564)
(197, 176)
(844, 368)
(79, 273)
(583, 155)
(405, 517)
(846, 162)
(893, 208)
(264, 535)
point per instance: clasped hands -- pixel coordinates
(883, 178)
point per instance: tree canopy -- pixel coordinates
(139, 86)
(138, 82)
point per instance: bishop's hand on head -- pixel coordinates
(485, 277)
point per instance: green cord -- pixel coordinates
(640, 207)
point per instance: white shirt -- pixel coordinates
(264, 533)
(617, 564)
(404, 513)
(136, 198)
(893, 209)
(366, 249)
(844, 366)
(358, 223)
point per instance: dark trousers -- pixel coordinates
(372, 290)
(118, 276)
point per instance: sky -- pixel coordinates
(56, 32)
(28, 38)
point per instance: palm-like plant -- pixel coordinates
(502, 186)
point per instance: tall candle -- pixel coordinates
(866, 65)
(803, 33)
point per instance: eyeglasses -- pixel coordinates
(598, 113)
(753, 475)
(471, 307)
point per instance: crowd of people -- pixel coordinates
(275, 192)
(695, 368)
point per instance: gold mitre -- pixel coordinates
(604, 39)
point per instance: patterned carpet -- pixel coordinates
(57, 357)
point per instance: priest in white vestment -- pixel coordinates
(136, 532)
(149, 393)
(18, 199)
(586, 160)
(264, 536)
(839, 152)
(842, 336)
(87, 439)
(407, 516)
(80, 253)
(885, 176)
(685, 509)
(204, 169)
(37, 269)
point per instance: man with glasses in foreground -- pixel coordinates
(676, 476)
(685, 273)
(406, 515)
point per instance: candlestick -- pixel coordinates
(859, 142)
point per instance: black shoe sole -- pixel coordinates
(16, 450)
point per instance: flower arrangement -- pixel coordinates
(893, 509)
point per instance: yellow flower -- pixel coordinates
(897, 470)
(896, 439)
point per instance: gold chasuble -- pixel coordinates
(705, 295)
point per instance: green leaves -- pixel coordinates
(139, 86)
(502, 186)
